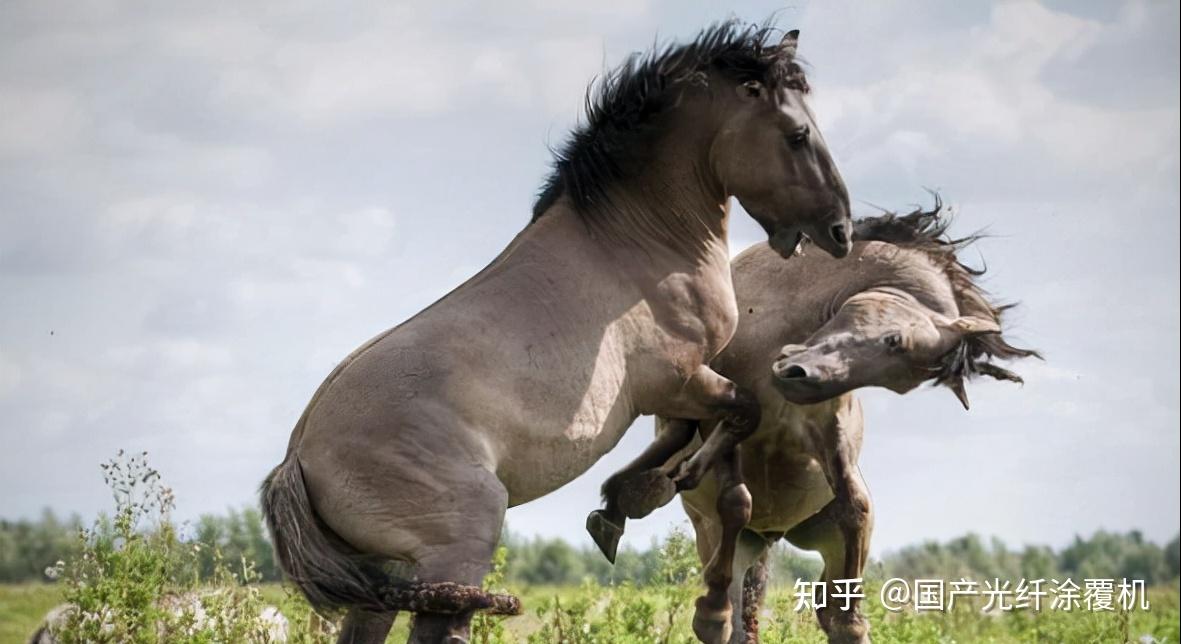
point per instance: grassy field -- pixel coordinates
(593, 613)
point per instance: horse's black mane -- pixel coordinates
(621, 105)
(926, 231)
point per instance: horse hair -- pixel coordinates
(926, 231)
(620, 108)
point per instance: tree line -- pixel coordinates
(29, 547)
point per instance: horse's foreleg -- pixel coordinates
(640, 487)
(714, 611)
(747, 586)
(738, 412)
(644, 484)
(754, 589)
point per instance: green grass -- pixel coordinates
(603, 612)
(21, 608)
(131, 568)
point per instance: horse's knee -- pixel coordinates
(745, 415)
(855, 512)
(735, 505)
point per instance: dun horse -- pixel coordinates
(900, 311)
(608, 305)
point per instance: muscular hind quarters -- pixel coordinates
(438, 520)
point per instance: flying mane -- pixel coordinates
(621, 108)
(926, 231)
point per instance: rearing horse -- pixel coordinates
(608, 305)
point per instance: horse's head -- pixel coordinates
(933, 323)
(882, 338)
(770, 155)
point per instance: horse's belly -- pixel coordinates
(553, 447)
(785, 478)
(786, 494)
(552, 459)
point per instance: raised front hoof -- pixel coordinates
(711, 625)
(606, 533)
(644, 492)
(689, 474)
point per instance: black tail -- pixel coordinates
(42, 636)
(331, 577)
(309, 555)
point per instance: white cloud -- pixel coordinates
(11, 375)
(981, 93)
(39, 122)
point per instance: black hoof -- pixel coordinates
(644, 492)
(712, 626)
(605, 533)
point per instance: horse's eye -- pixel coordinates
(799, 138)
(893, 341)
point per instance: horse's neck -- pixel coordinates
(649, 227)
(784, 301)
(788, 300)
(668, 202)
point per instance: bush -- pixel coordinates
(136, 581)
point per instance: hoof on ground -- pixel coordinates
(644, 492)
(712, 626)
(606, 533)
(846, 627)
(850, 633)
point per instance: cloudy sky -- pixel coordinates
(203, 208)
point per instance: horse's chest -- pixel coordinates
(784, 473)
(696, 312)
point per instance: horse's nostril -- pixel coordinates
(840, 234)
(793, 371)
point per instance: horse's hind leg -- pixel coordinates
(365, 627)
(840, 532)
(438, 522)
(461, 554)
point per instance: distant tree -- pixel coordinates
(1173, 556)
(237, 536)
(28, 547)
(1112, 555)
(787, 564)
(1038, 562)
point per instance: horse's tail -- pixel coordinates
(42, 636)
(307, 552)
(332, 577)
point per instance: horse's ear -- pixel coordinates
(787, 46)
(956, 385)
